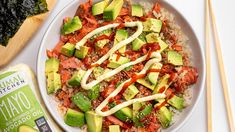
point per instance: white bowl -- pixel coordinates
(51, 38)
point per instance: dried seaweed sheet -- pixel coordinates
(14, 12)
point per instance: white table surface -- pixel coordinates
(193, 11)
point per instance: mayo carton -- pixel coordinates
(21, 109)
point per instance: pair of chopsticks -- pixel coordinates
(209, 12)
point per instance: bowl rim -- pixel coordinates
(44, 96)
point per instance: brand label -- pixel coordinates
(19, 109)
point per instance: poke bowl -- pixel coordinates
(120, 66)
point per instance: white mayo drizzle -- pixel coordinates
(129, 102)
(155, 55)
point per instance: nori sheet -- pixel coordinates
(14, 12)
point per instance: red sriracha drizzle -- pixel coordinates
(135, 77)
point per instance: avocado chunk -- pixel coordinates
(152, 37)
(68, 49)
(53, 82)
(153, 76)
(152, 25)
(162, 45)
(94, 93)
(163, 82)
(105, 32)
(136, 107)
(26, 128)
(101, 43)
(110, 78)
(174, 58)
(98, 71)
(52, 65)
(114, 63)
(99, 7)
(140, 114)
(74, 118)
(71, 25)
(130, 92)
(137, 10)
(81, 101)
(112, 11)
(145, 83)
(164, 116)
(121, 35)
(94, 121)
(176, 102)
(147, 110)
(114, 128)
(137, 44)
(82, 52)
(124, 114)
(75, 80)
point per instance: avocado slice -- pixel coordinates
(176, 102)
(52, 65)
(71, 25)
(53, 82)
(114, 63)
(164, 116)
(74, 118)
(152, 37)
(99, 7)
(114, 128)
(152, 25)
(68, 49)
(121, 35)
(163, 82)
(137, 10)
(174, 58)
(145, 83)
(112, 11)
(153, 76)
(82, 52)
(26, 128)
(94, 93)
(75, 80)
(94, 121)
(81, 101)
(124, 114)
(130, 92)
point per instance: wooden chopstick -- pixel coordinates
(208, 71)
(222, 71)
